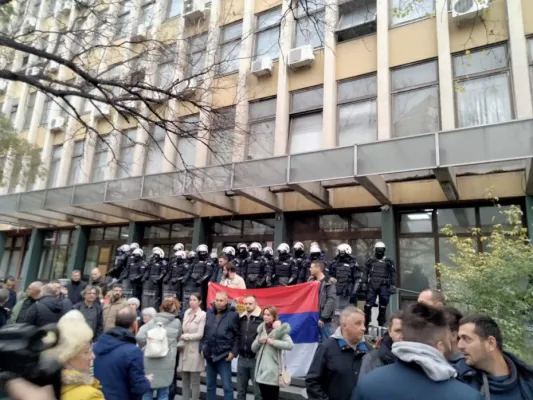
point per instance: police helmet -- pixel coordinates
(242, 246)
(124, 248)
(158, 251)
(315, 249)
(344, 248)
(256, 246)
(379, 245)
(268, 250)
(179, 247)
(283, 248)
(192, 254)
(138, 252)
(202, 248)
(298, 246)
(230, 251)
(181, 254)
(134, 246)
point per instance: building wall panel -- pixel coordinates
(263, 5)
(527, 11)
(225, 91)
(356, 57)
(265, 86)
(508, 184)
(312, 76)
(232, 10)
(413, 42)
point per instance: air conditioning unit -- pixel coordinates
(468, 9)
(262, 66)
(33, 71)
(52, 67)
(3, 86)
(29, 25)
(193, 10)
(57, 124)
(103, 110)
(301, 56)
(185, 88)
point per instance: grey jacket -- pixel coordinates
(162, 368)
(370, 362)
(327, 299)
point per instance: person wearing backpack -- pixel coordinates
(159, 338)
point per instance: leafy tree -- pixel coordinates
(495, 281)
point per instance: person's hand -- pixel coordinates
(270, 341)
(150, 377)
(262, 340)
(20, 389)
(320, 324)
(230, 357)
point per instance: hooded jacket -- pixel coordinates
(421, 372)
(519, 382)
(47, 310)
(327, 299)
(248, 327)
(221, 335)
(74, 291)
(78, 386)
(335, 368)
(119, 366)
(379, 357)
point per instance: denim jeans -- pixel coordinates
(222, 368)
(162, 394)
(325, 332)
(245, 372)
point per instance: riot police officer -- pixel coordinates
(198, 275)
(300, 260)
(314, 254)
(178, 247)
(285, 271)
(153, 279)
(172, 283)
(240, 260)
(255, 272)
(121, 260)
(380, 278)
(133, 275)
(268, 258)
(346, 271)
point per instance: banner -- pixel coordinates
(297, 305)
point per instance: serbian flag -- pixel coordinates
(297, 305)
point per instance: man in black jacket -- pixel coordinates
(91, 309)
(334, 371)
(249, 321)
(220, 344)
(75, 287)
(383, 354)
(47, 310)
(327, 297)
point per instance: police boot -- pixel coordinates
(368, 314)
(382, 315)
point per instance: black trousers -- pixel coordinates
(269, 392)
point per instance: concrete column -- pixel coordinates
(329, 117)
(207, 96)
(446, 87)
(135, 232)
(281, 136)
(388, 235)
(383, 75)
(280, 230)
(201, 232)
(21, 111)
(529, 216)
(240, 134)
(113, 154)
(30, 267)
(79, 249)
(3, 238)
(88, 157)
(519, 62)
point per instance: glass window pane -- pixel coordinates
(363, 249)
(262, 109)
(258, 227)
(186, 152)
(99, 166)
(198, 43)
(19, 241)
(480, 61)
(125, 162)
(112, 233)
(76, 169)
(357, 88)
(154, 156)
(461, 219)
(306, 6)
(261, 140)
(405, 11)
(184, 230)
(306, 133)
(96, 233)
(490, 216)
(230, 32)
(307, 99)
(157, 232)
(221, 142)
(61, 257)
(357, 13)
(13, 263)
(416, 112)
(147, 15)
(4, 264)
(91, 260)
(165, 75)
(46, 264)
(484, 101)
(414, 75)
(416, 222)
(62, 237)
(269, 18)
(267, 43)
(364, 221)
(9, 242)
(417, 264)
(229, 58)
(357, 123)
(174, 8)
(310, 30)
(227, 228)
(530, 43)
(333, 223)
(197, 64)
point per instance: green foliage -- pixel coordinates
(24, 157)
(496, 281)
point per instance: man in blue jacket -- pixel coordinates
(119, 364)
(498, 375)
(422, 371)
(220, 345)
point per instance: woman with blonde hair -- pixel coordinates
(272, 338)
(75, 353)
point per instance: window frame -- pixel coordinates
(257, 121)
(529, 43)
(192, 51)
(143, 15)
(213, 161)
(123, 13)
(345, 6)
(100, 148)
(195, 118)
(258, 30)
(410, 21)
(236, 42)
(47, 108)
(57, 149)
(126, 143)
(169, 8)
(309, 15)
(76, 156)
(54, 248)
(306, 111)
(10, 248)
(394, 92)
(30, 108)
(153, 139)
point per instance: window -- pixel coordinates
(262, 127)
(186, 157)
(14, 109)
(267, 34)
(57, 249)
(482, 87)
(13, 256)
(310, 23)
(306, 120)
(103, 244)
(221, 141)
(197, 48)
(99, 27)
(357, 113)
(174, 8)
(47, 109)
(30, 106)
(76, 163)
(154, 154)
(403, 11)
(146, 15)
(53, 170)
(415, 99)
(530, 43)
(123, 20)
(126, 153)
(230, 47)
(356, 18)
(25, 61)
(100, 162)
(50, 7)
(166, 68)
(67, 108)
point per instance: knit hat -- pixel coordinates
(74, 333)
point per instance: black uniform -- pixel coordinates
(303, 275)
(121, 261)
(199, 272)
(300, 259)
(380, 277)
(152, 282)
(269, 269)
(285, 271)
(255, 271)
(240, 264)
(132, 277)
(172, 282)
(346, 271)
